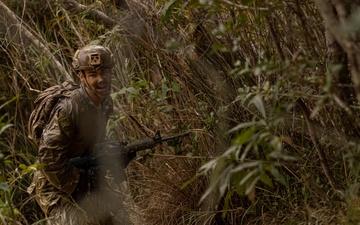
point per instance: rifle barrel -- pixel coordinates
(140, 145)
(149, 143)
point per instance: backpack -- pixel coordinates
(44, 105)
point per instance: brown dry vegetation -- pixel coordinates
(269, 95)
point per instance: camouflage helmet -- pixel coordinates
(92, 56)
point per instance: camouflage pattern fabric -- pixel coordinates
(75, 126)
(95, 208)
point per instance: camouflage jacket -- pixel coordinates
(76, 125)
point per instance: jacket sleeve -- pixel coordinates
(53, 148)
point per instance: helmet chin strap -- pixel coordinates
(87, 85)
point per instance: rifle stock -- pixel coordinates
(108, 152)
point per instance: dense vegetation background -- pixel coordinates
(268, 89)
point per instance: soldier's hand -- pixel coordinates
(127, 157)
(82, 184)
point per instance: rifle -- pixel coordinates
(110, 152)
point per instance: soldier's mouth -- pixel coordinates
(102, 89)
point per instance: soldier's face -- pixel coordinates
(97, 83)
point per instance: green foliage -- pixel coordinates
(5, 124)
(255, 154)
(6, 208)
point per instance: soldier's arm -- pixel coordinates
(53, 150)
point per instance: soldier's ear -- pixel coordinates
(81, 75)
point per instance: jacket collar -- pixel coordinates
(106, 105)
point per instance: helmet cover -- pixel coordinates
(92, 57)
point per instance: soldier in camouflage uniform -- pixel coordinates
(67, 194)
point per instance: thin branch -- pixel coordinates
(312, 132)
(72, 26)
(14, 21)
(244, 7)
(96, 15)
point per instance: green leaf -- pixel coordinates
(166, 108)
(275, 172)
(9, 101)
(242, 125)
(276, 143)
(248, 176)
(245, 165)
(208, 166)
(252, 185)
(187, 183)
(258, 102)
(266, 180)
(230, 152)
(2, 159)
(176, 87)
(132, 90)
(4, 186)
(282, 155)
(168, 9)
(211, 188)
(164, 91)
(228, 196)
(121, 92)
(243, 137)
(217, 165)
(225, 180)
